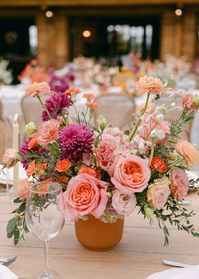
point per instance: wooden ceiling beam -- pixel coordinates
(37, 3)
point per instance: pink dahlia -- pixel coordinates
(55, 104)
(75, 140)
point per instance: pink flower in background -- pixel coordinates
(22, 189)
(47, 132)
(158, 193)
(84, 195)
(149, 85)
(10, 157)
(131, 174)
(122, 203)
(179, 183)
(38, 89)
(189, 102)
(188, 151)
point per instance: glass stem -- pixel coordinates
(46, 256)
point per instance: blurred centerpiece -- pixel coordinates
(105, 173)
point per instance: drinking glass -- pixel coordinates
(43, 217)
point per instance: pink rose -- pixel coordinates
(158, 193)
(38, 89)
(122, 203)
(47, 132)
(22, 189)
(179, 183)
(131, 174)
(149, 85)
(84, 195)
(189, 102)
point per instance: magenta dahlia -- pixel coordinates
(75, 140)
(55, 104)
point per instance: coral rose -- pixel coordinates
(149, 85)
(188, 151)
(122, 203)
(179, 183)
(131, 174)
(38, 89)
(84, 195)
(47, 132)
(158, 193)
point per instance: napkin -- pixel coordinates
(5, 273)
(177, 273)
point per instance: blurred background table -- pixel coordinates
(137, 256)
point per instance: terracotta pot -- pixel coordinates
(96, 235)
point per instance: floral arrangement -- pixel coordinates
(103, 171)
(5, 74)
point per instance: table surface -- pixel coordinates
(138, 255)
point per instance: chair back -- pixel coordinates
(118, 109)
(32, 109)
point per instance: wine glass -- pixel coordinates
(43, 217)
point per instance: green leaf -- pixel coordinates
(22, 207)
(11, 226)
(17, 200)
(16, 237)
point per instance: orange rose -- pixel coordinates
(63, 165)
(89, 171)
(31, 168)
(32, 143)
(188, 151)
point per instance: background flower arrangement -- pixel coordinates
(5, 73)
(103, 171)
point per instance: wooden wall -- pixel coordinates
(178, 35)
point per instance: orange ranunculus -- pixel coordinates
(41, 167)
(32, 143)
(31, 168)
(63, 179)
(63, 165)
(89, 96)
(89, 171)
(92, 105)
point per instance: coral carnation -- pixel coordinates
(149, 85)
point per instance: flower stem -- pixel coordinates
(152, 152)
(139, 119)
(42, 104)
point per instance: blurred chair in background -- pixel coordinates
(118, 109)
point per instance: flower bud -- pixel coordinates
(30, 128)
(101, 121)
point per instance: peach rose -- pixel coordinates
(158, 193)
(84, 195)
(131, 174)
(122, 203)
(10, 157)
(63, 165)
(47, 132)
(149, 85)
(188, 151)
(38, 89)
(90, 171)
(179, 183)
(22, 189)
